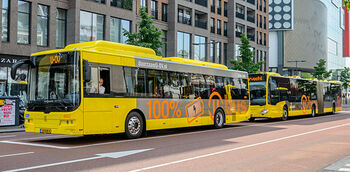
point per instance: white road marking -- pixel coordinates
(344, 169)
(238, 148)
(99, 156)
(43, 137)
(35, 144)
(8, 136)
(156, 137)
(54, 164)
(16, 154)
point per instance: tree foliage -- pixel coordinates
(345, 77)
(346, 3)
(246, 55)
(147, 36)
(320, 70)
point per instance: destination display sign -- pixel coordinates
(257, 78)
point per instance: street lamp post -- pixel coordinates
(296, 64)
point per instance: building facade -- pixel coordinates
(207, 30)
(316, 33)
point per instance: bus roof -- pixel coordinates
(106, 47)
(195, 62)
(126, 50)
(298, 77)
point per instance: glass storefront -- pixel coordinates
(8, 86)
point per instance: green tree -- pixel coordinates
(346, 3)
(320, 70)
(147, 36)
(246, 58)
(345, 77)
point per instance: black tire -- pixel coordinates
(284, 114)
(134, 125)
(219, 119)
(313, 111)
(251, 119)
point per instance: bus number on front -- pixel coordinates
(55, 59)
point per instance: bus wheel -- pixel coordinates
(313, 111)
(284, 114)
(251, 119)
(133, 125)
(333, 109)
(219, 119)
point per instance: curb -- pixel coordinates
(12, 130)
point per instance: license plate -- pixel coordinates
(46, 131)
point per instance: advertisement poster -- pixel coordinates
(8, 113)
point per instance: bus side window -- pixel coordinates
(90, 87)
(104, 86)
(173, 91)
(210, 85)
(244, 89)
(186, 87)
(220, 86)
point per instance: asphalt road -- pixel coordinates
(299, 144)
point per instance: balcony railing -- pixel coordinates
(126, 4)
(251, 19)
(219, 11)
(165, 17)
(202, 2)
(238, 34)
(219, 31)
(184, 20)
(212, 9)
(240, 15)
(212, 29)
(251, 1)
(154, 14)
(251, 37)
(201, 24)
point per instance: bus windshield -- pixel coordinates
(257, 93)
(257, 85)
(55, 83)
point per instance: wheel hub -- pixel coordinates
(134, 126)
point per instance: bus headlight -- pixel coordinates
(264, 111)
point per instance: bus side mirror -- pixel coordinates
(87, 71)
(18, 64)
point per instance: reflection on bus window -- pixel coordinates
(91, 87)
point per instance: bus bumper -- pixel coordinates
(39, 123)
(259, 112)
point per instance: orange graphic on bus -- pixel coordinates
(215, 103)
(194, 109)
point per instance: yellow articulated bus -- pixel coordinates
(276, 96)
(101, 87)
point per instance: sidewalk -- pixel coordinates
(11, 129)
(341, 165)
(346, 105)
